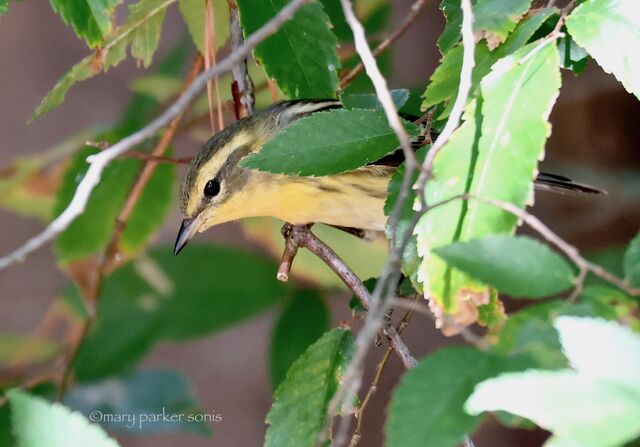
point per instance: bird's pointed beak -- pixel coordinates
(187, 229)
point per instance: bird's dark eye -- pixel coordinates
(212, 188)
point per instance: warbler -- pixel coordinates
(216, 189)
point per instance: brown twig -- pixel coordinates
(121, 221)
(301, 236)
(415, 11)
(242, 86)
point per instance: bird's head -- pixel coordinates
(215, 188)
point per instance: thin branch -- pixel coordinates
(242, 86)
(302, 236)
(464, 88)
(414, 12)
(378, 80)
(385, 286)
(99, 161)
(357, 433)
(569, 250)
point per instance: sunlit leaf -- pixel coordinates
(595, 405)
(328, 143)
(601, 349)
(37, 423)
(493, 154)
(581, 411)
(302, 55)
(495, 19)
(298, 414)
(302, 321)
(608, 30)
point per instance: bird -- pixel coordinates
(215, 189)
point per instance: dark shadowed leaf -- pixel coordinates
(518, 266)
(370, 100)
(328, 143)
(426, 408)
(303, 320)
(298, 414)
(161, 297)
(144, 392)
(37, 422)
(443, 83)
(302, 55)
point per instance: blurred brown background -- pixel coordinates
(595, 139)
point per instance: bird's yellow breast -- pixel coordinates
(353, 199)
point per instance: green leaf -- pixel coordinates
(426, 408)
(495, 19)
(193, 15)
(298, 413)
(572, 56)
(370, 100)
(114, 48)
(302, 55)
(303, 320)
(444, 81)
(632, 262)
(4, 6)
(601, 349)
(147, 36)
(160, 297)
(580, 411)
(595, 405)
(146, 392)
(518, 266)
(493, 154)
(37, 423)
(90, 19)
(608, 30)
(410, 258)
(451, 34)
(91, 231)
(327, 143)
